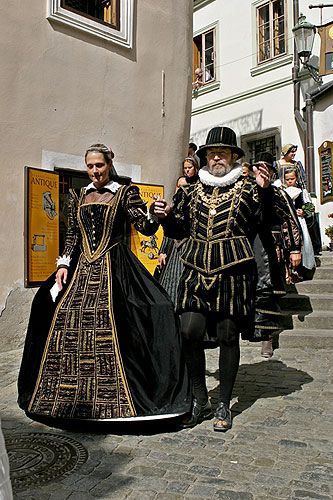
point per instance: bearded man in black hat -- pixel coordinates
(219, 214)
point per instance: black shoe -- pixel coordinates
(199, 413)
(222, 418)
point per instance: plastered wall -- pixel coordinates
(61, 90)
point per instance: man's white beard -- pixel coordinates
(220, 170)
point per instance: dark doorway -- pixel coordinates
(67, 179)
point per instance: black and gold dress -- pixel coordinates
(109, 347)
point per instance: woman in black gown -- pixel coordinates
(108, 347)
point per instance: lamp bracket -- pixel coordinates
(313, 72)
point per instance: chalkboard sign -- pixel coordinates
(325, 158)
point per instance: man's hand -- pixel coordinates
(262, 174)
(295, 259)
(162, 259)
(159, 207)
(61, 277)
(300, 212)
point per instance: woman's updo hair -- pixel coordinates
(101, 148)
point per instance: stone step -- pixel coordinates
(323, 272)
(314, 339)
(315, 286)
(321, 301)
(294, 303)
(326, 259)
(321, 320)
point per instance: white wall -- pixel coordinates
(323, 131)
(251, 102)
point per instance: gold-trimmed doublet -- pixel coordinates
(219, 267)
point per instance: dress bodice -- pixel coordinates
(97, 225)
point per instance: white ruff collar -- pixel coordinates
(227, 179)
(293, 191)
(111, 186)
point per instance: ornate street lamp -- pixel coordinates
(304, 33)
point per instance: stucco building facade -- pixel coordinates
(246, 52)
(71, 77)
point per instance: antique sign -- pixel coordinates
(146, 248)
(41, 225)
(325, 159)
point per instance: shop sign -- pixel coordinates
(146, 248)
(41, 225)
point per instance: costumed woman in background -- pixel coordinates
(108, 348)
(190, 169)
(286, 162)
(288, 153)
(302, 202)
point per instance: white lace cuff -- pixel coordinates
(63, 260)
(152, 217)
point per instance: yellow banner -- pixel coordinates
(42, 225)
(146, 248)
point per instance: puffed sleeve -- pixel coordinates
(135, 209)
(73, 232)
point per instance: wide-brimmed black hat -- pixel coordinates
(266, 157)
(217, 137)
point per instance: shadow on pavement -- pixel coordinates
(149, 427)
(262, 380)
(39, 455)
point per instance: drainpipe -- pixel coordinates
(306, 126)
(297, 85)
(309, 148)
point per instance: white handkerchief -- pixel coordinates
(54, 291)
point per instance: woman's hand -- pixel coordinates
(263, 176)
(300, 212)
(295, 259)
(162, 259)
(159, 207)
(61, 277)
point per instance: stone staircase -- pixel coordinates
(308, 310)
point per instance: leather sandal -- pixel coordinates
(198, 414)
(222, 418)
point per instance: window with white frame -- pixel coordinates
(105, 11)
(111, 20)
(271, 30)
(204, 66)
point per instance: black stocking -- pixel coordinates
(228, 339)
(193, 326)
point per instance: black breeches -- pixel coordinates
(193, 327)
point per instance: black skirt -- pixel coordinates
(108, 348)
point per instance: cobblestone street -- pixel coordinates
(280, 445)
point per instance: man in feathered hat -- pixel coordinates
(219, 214)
